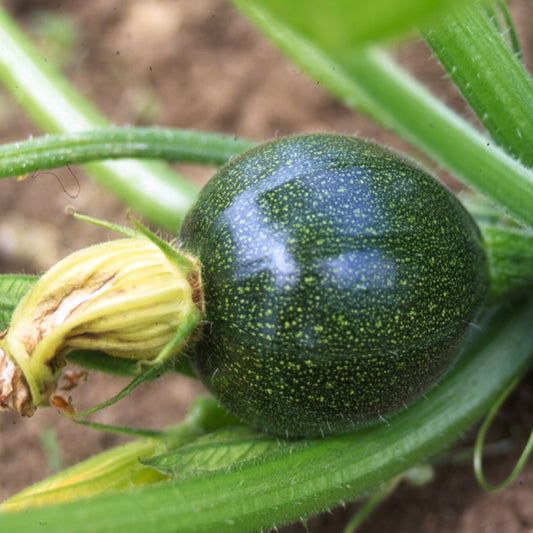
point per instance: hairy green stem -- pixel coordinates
(490, 75)
(510, 257)
(183, 146)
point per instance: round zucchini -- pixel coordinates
(339, 283)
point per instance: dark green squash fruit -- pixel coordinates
(339, 282)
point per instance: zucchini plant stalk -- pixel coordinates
(129, 298)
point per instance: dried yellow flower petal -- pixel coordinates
(127, 298)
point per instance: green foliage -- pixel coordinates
(56, 106)
(222, 449)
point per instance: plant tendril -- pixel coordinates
(71, 195)
(480, 441)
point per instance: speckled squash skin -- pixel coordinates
(339, 282)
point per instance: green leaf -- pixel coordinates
(308, 476)
(344, 25)
(222, 449)
(12, 288)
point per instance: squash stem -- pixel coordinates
(509, 249)
(510, 257)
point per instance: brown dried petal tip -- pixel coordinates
(14, 391)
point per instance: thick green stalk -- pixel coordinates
(510, 257)
(150, 188)
(489, 74)
(509, 249)
(184, 146)
(311, 475)
(372, 82)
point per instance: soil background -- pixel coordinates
(200, 64)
